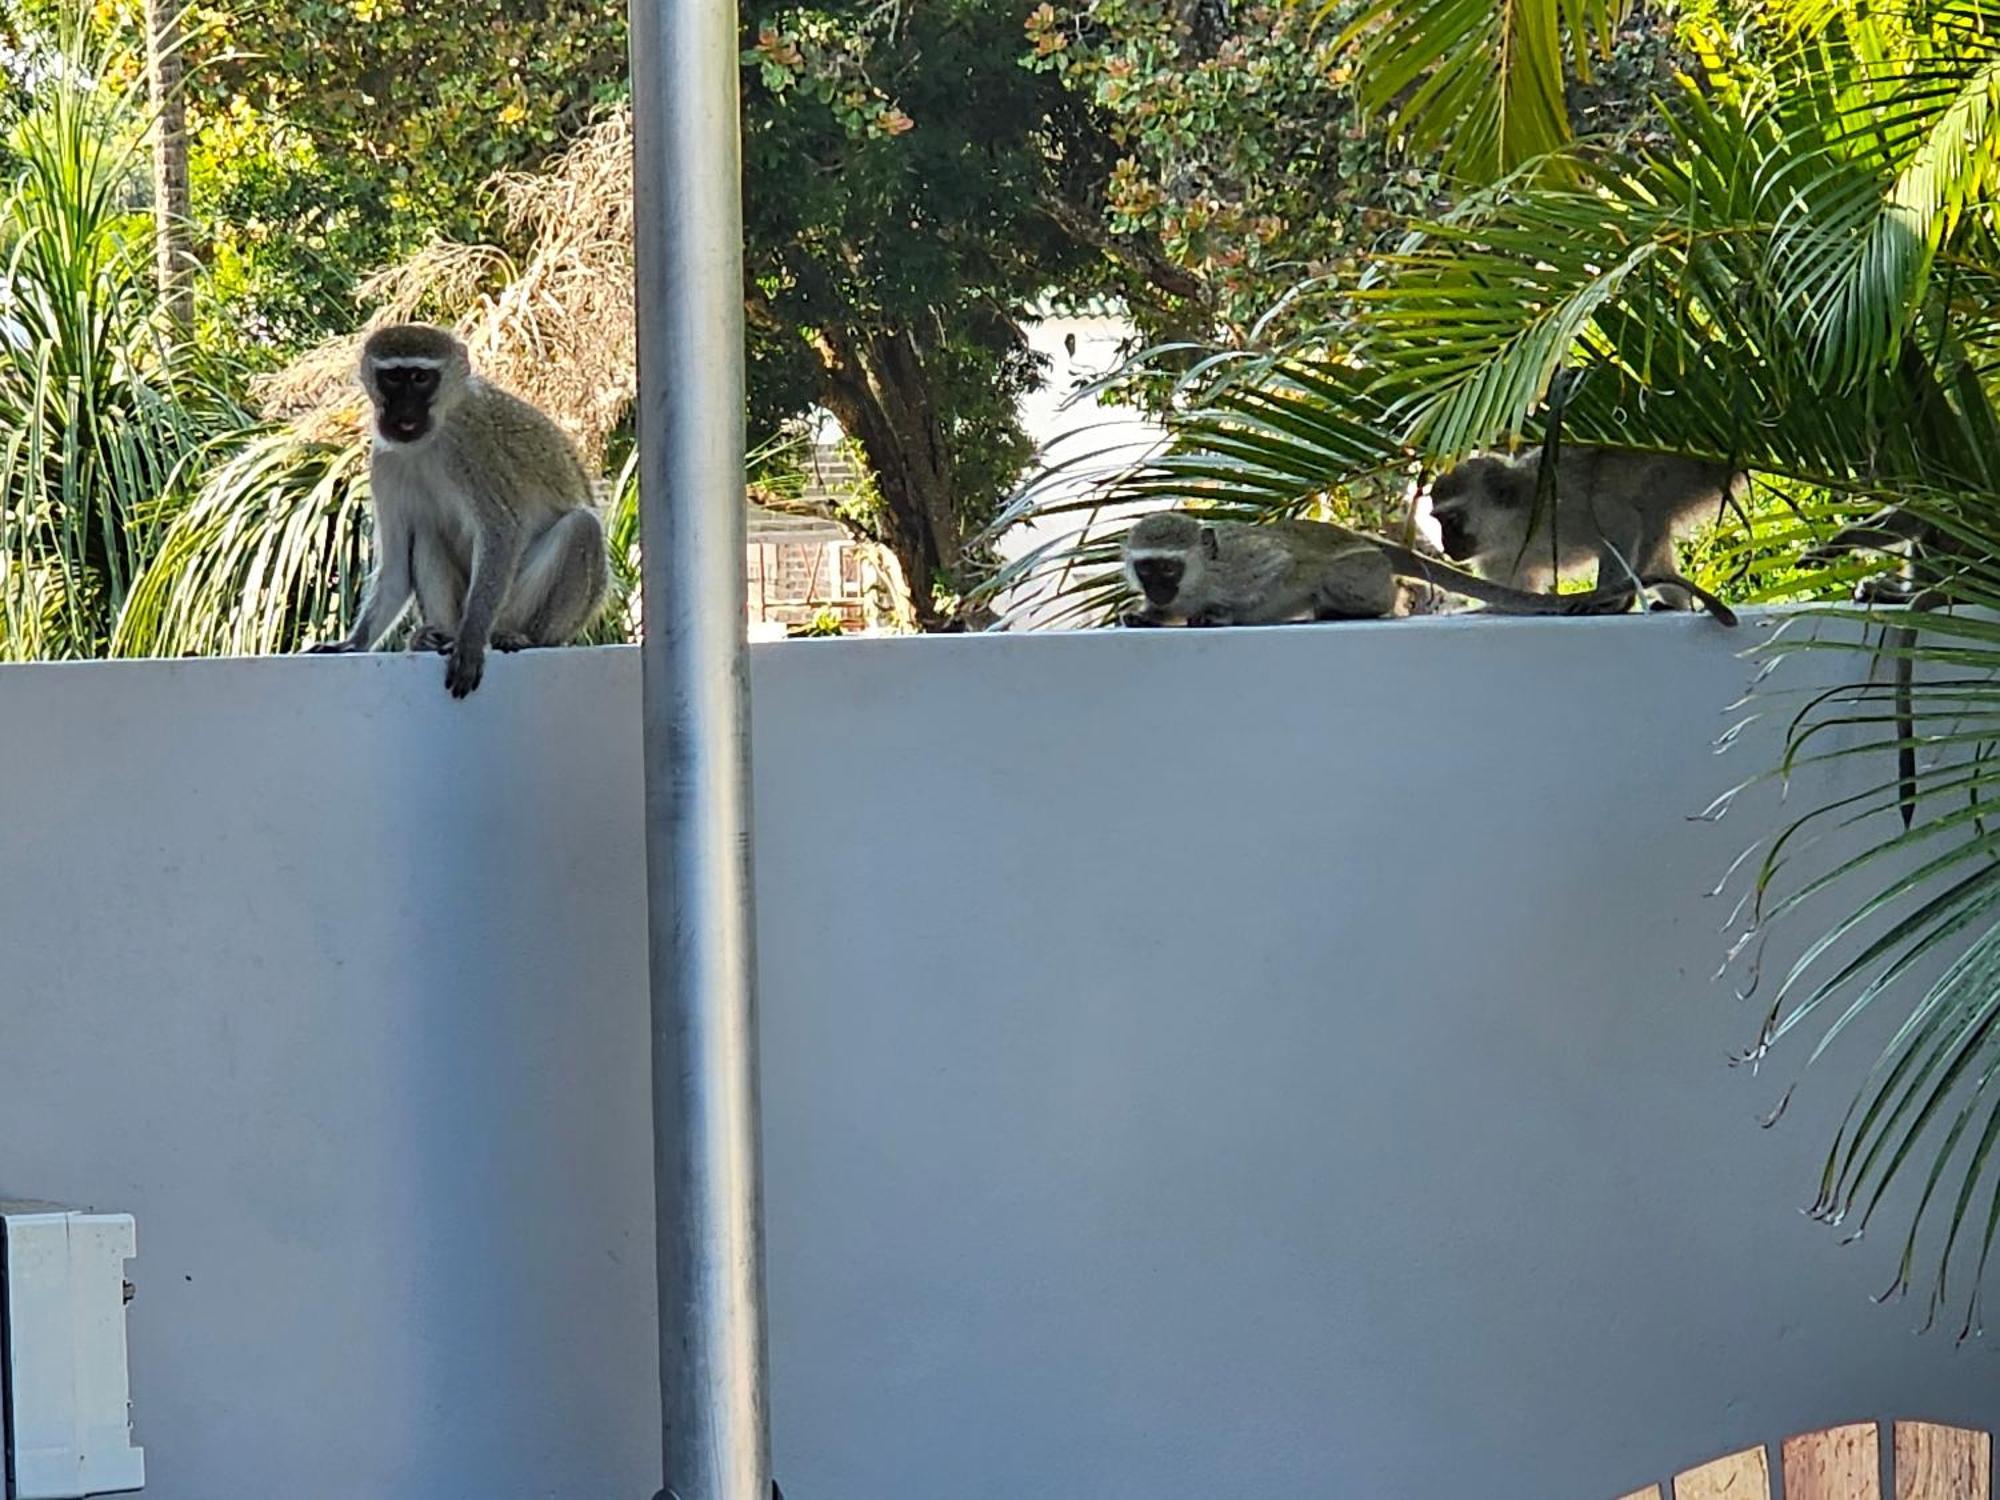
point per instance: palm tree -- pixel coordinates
(173, 250)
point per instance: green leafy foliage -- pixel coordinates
(920, 180)
(103, 416)
(1250, 152)
(334, 138)
(1242, 151)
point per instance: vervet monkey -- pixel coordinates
(482, 510)
(1229, 573)
(1620, 509)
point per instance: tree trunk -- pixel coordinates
(877, 389)
(173, 252)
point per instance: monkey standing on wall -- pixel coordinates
(1620, 509)
(482, 511)
(1230, 573)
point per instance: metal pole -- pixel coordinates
(687, 169)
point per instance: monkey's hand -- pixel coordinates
(1208, 619)
(1139, 619)
(510, 640)
(465, 667)
(332, 648)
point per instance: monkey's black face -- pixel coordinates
(1160, 578)
(403, 410)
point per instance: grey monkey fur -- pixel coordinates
(1201, 572)
(483, 511)
(1619, 509)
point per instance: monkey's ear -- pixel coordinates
(1209, 544)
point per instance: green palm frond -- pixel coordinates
(1273, 446)
(1478, 84)
(1895, 160)
(270, 554)
(1917, 924)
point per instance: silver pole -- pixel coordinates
(687, 186)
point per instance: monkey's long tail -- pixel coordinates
(1723, 614)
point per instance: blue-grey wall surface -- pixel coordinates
(1233, 1063)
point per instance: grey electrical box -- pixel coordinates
(65, 1404)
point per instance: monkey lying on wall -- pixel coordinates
(1228, 573)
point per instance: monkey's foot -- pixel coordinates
(332, 648)
(1889, 590)
(463, 671)
(509, 640)
(1138, 619)
(431, 638)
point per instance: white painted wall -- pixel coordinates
(1215, 1064)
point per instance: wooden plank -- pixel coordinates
(1841, 1463)
(1942, 1463)
(1740, 1476)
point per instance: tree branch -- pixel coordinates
(1132, 252)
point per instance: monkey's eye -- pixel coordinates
(423, 380)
